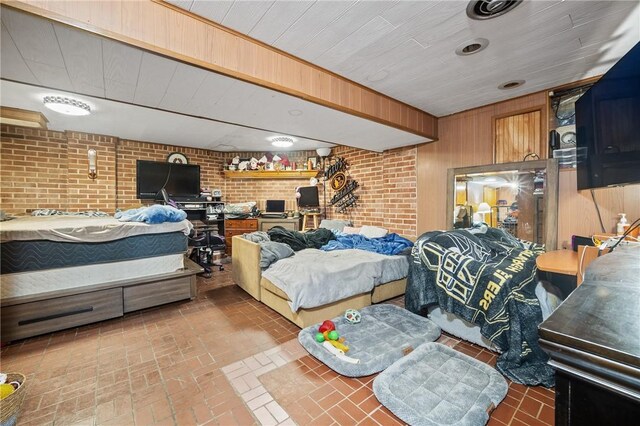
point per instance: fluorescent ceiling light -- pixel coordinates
(66, 106)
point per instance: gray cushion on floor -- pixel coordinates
(381, 338)
(436, 385)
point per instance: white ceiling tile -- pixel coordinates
(213, 10)
(186, 80)
(50, 76)
(184, 4)
(588, 11)
(119, 91)
(280, 16)
(34, 37)
(12, 66)
(244, 15)
(346, 24)
(82, 57)
(155, 74)
(398, 13)
(121, 62)
(318, 16)
(366, 35)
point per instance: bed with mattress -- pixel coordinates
(314, 285)
(481, 285)
(64, 271)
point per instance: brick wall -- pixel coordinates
(387, 188)
(46, 169)
(84, 193)
(28, 184)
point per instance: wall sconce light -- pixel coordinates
(91, 156)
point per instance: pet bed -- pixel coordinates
(384, 335)
(436, 385)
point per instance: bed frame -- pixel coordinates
(41, 313)
(248, 275)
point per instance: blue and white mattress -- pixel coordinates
(40, 255)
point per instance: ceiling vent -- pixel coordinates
(487, 9)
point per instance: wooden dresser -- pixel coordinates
(237, 227)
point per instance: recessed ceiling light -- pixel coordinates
(377, 76)
(487, 9)
(282, 141)
(511, 84)
(472, 46)
(66, 106)
(295, 112)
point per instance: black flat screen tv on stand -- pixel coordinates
(181, 181)
(608, 127)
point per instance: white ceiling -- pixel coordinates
(133, 94)
(405, 49)
(401, 48)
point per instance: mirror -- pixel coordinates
(521, 198)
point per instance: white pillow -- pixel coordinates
(373, 231)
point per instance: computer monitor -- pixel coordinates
(308, 197)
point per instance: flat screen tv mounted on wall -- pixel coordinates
(181, 181)
(308, 197)
(608, 127)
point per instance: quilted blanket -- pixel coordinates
(487, 279)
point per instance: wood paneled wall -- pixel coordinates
(162, 28)
(466, 139)
(518, 135)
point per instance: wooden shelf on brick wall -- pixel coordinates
(271, 174)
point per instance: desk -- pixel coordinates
(290, 223)
(569, 262)
(559, 261)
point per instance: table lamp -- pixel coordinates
(483, 209)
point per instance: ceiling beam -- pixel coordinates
(173, 32)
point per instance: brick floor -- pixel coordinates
(196, 362)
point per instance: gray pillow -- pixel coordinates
(272, 251)
(335, 225)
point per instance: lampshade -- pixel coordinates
(323, 152)
(484, 208)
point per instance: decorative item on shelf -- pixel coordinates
(178, 158)
(92, 159)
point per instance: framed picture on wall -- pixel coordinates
(312, 162)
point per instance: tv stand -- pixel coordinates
(207, 218)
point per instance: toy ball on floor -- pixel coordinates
(352, 316)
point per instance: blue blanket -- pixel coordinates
(390, 244)
(155, 213)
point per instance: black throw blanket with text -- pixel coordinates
(488, 279)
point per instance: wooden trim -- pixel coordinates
(23, 117)
(279, 51)
(270, 174)
(583, 82)
(305, 81)
(551, 191)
